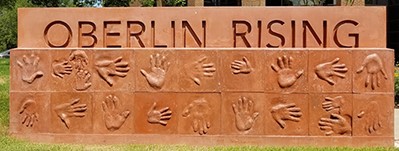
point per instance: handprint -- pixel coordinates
(286, 76)
(29, 68)
(66, 111)
(159, 67)
(79, 59)
(244, 113)
(61, 68)
(109, 68)
(159, 116)
(243, 66)
(199, 69)
(282, 112)
(373, 65)
(199, 110)
(372, 117)
(113, 116)
(336, 124)
(29, 113)
(333, 105)
(82, 80)
(326, 71)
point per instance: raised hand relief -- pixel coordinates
(30, 70)
(326, 71)
(114, 117)
(286, 75)
(337, 124)
(61, 68)
(373, 65)
(28, 112)
(283, 112)
(107, 69)
(79, 59)
(160, 116)
(66, 111)
(199, 69)
(199, 111)
(245, 115)
(82, 80)
(333, 105)
(371, 116)
(159, 67)
(241, 67)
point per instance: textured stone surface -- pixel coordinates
(203, 76)
(203, 27)
(245, 93)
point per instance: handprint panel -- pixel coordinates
(113, 69)
(157, 70)
(199, 114)
(242, 113)
(330, 71)
(113, 111)
(373, 71)
(71, 112)
(30, 70)
(28, 112)
(286, 71)
(242, 70)
(198, 71)
(156, 113)
(71, 70)
(287, 114)
(332, 115)
(372, 115)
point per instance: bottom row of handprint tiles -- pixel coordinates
(203, 113)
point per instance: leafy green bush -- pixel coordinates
(307, 2)
(147, 3)
(174, 2)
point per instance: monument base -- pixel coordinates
(217, 140)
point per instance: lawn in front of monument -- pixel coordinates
(9, 144)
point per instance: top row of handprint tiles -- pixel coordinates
(203, 70)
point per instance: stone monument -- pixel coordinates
(319, 76)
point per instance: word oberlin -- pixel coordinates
(138, 34)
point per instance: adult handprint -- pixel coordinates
(199, 110)
(326, 71)
(333, 105)
(29, 113)
(373, 65)
(244, 113)
(66, 111)
(159, 116)
(109, 68)
(113, 116)
(61, 68)
(282, 112)
(29, 67)
(371, 114)
(286, 76)
(198, 69)
(82, 80)
(243, 66)
(79, 59)
(336, 124)
(159, 67)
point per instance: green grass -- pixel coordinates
(8, 143)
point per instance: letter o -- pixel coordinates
(58, 34)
